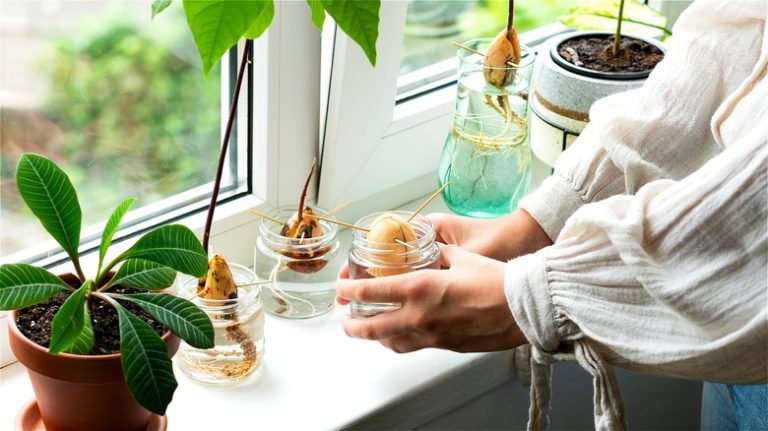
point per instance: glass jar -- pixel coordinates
(302, 272)
(369, 259)
(486, 156)
(238, 326)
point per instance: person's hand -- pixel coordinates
(502, 239)
(462, 308)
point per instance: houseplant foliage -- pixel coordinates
(217, 25)
(149, 265)
(608, 15)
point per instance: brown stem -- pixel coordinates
(225, 144)
(510, 18)
(304, 192)
(617, 38)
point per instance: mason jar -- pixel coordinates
(238, 326)
(370, 259)
(301, 272)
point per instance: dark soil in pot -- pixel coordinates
(595, 52)
(35, 321)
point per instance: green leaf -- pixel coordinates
(260, 24)
(639, 19)
(146, 365)
(85, 340)
(359, 19)
(159, 6)
(69, 321)
(143, 274)
(49, 193)
(182, 317)
(111, 227)
(317, 13)
(22, 285)
(174, 246)
(217, 25)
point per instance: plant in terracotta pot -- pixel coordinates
(98, 348)
(575, 69)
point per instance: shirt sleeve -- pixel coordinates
(669, 281)
(662, 130)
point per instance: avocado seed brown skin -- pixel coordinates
(505, 48)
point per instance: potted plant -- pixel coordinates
(93, 345)
(575, 69)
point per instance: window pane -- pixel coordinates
(431, 25)
(115, 98)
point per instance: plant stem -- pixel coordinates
(510, 18)
(617, 38)
(225, 144)
(78, 268)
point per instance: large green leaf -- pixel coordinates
(359, 19)
(182, 317)
(174, 246)
(146, 365)
(69, 322)
(262, 22)
(111, 227)
(50, 195)
(317, 13)
(159, 6)
(143, 274)
(217, 25)
(85, 340)
(638, 18)
(22, 285)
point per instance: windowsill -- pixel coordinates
(315, 377)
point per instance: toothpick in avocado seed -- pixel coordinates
(427, 202)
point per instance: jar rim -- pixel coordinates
(527, 54)
(420, 223)
(269, 230)
(186, 286)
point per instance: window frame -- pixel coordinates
(273, 100)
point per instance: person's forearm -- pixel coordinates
(517, 234)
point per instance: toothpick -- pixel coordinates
(268, 217)
(474, 51)
(349, 225)
(426, 202)
(255, 283)
(332, 211)
(404, 244)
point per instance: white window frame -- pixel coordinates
(380, 153)
(284, 131)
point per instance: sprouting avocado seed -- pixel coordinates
(505, 48)
(383, 232)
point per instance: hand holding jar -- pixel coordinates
(461, 308)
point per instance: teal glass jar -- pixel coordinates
(486, 156)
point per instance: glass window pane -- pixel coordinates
(114, 97)
(431, 25)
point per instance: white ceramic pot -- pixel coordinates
(563, 93)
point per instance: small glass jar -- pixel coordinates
(370, 259)
(238, 326)
(302, 272)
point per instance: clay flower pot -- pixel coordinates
(80, 392)
(563, 94)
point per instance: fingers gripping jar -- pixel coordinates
(370, 259)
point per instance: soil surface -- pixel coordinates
(35, 321)
(596, 53)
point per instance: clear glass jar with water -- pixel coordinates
(369, 259)
(486, 156)
(301, 272)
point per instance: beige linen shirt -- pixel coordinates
(659, 213)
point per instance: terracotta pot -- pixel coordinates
(81, 392)
(563, 94)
